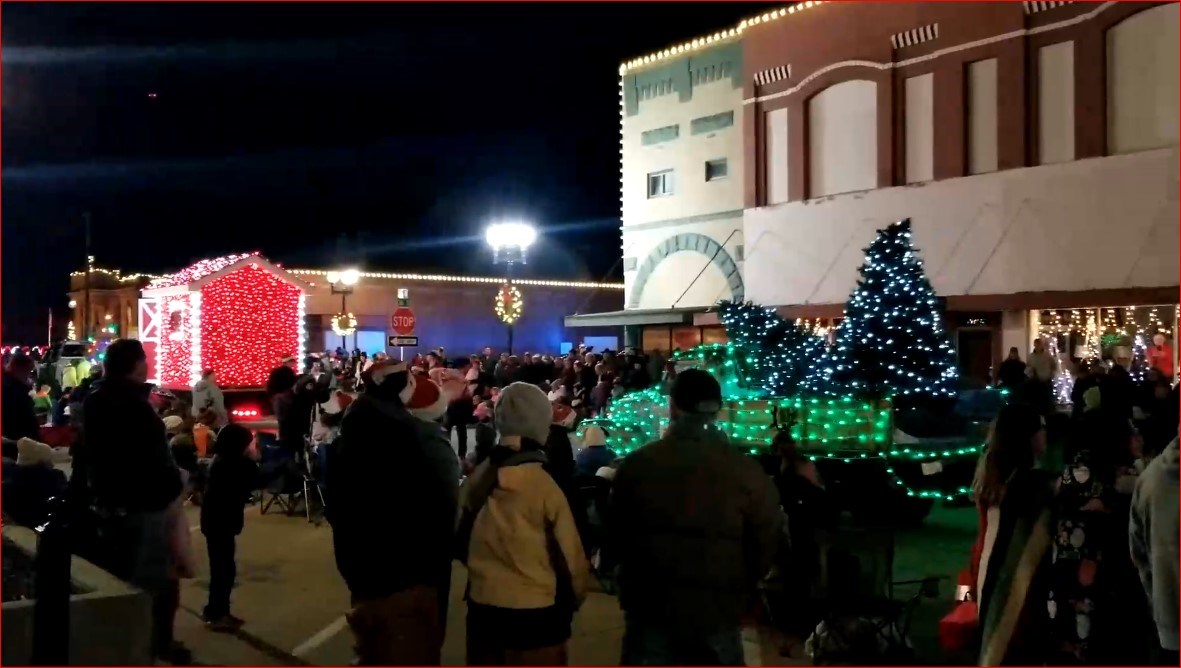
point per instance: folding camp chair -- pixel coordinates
(312, 477)
(862, 623)
(280, 479)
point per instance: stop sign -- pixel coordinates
(402, 321)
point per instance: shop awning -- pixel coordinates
(634, 317)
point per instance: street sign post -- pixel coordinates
(402, 322)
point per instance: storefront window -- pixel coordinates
(714, 335)
(656, 338)
(1139, 338)
(686, 337)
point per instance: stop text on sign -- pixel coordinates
(402, 322)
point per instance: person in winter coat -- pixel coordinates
(293, 399)
(694, 526)
(388, 468)
(30, 482)
(594, 454)
(1011, 560)
(233, 475)
(207, 396)
(1152, 533)
(17, 418)
(527, 571)
(126, 461)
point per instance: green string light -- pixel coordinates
(825, 428)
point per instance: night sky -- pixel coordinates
(196, 130)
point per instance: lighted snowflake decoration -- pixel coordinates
(509, 304)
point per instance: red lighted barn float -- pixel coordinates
(239, 315)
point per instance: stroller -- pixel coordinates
(861, 621)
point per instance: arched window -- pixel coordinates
(843, 139)
(1142, 55)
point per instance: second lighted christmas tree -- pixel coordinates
(892, 342)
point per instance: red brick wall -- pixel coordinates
(814, 40)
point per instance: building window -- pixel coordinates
(706, 124)
(660, 184)
(660, 135)
(716, 169)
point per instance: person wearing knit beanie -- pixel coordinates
(523, 411)
(527, 566)
(33, 453)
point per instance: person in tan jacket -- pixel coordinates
(527, 572)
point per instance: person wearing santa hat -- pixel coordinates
(425, 400)
(389, 469)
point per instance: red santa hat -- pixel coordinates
(424, 399)
(384, 370)
(563, 415)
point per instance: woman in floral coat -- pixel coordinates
(1097, 615)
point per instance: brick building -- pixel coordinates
(456, 312)
(1033, 145)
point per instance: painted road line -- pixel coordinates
(324, 635)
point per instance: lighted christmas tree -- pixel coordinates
(781, 359)
(892, 342)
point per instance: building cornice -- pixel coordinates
(630, 66)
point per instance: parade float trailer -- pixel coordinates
(240, 315)
(867, 469)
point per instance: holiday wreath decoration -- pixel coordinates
(344, 324)
(509, 303)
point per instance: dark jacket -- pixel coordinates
(126, 457)
(231, 482)
(27, 490)
(694, 525)
(593, 458)
(17, 417)
(293, 412)
(394, 488)
(1011, 374)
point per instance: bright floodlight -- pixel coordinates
(344, 277)
(510, 235)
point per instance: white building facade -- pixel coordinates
(1033, 145)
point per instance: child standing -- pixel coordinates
(232, 478)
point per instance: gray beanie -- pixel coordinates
(524, 410)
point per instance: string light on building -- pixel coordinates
(447, 278)
(715, 38)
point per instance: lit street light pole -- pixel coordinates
(509, 241)
(342, 283)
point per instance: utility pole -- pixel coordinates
(86, 296)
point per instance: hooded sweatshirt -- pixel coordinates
(207, 395)
(1153, 536)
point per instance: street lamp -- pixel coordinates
(342, 283)
(509, 242)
